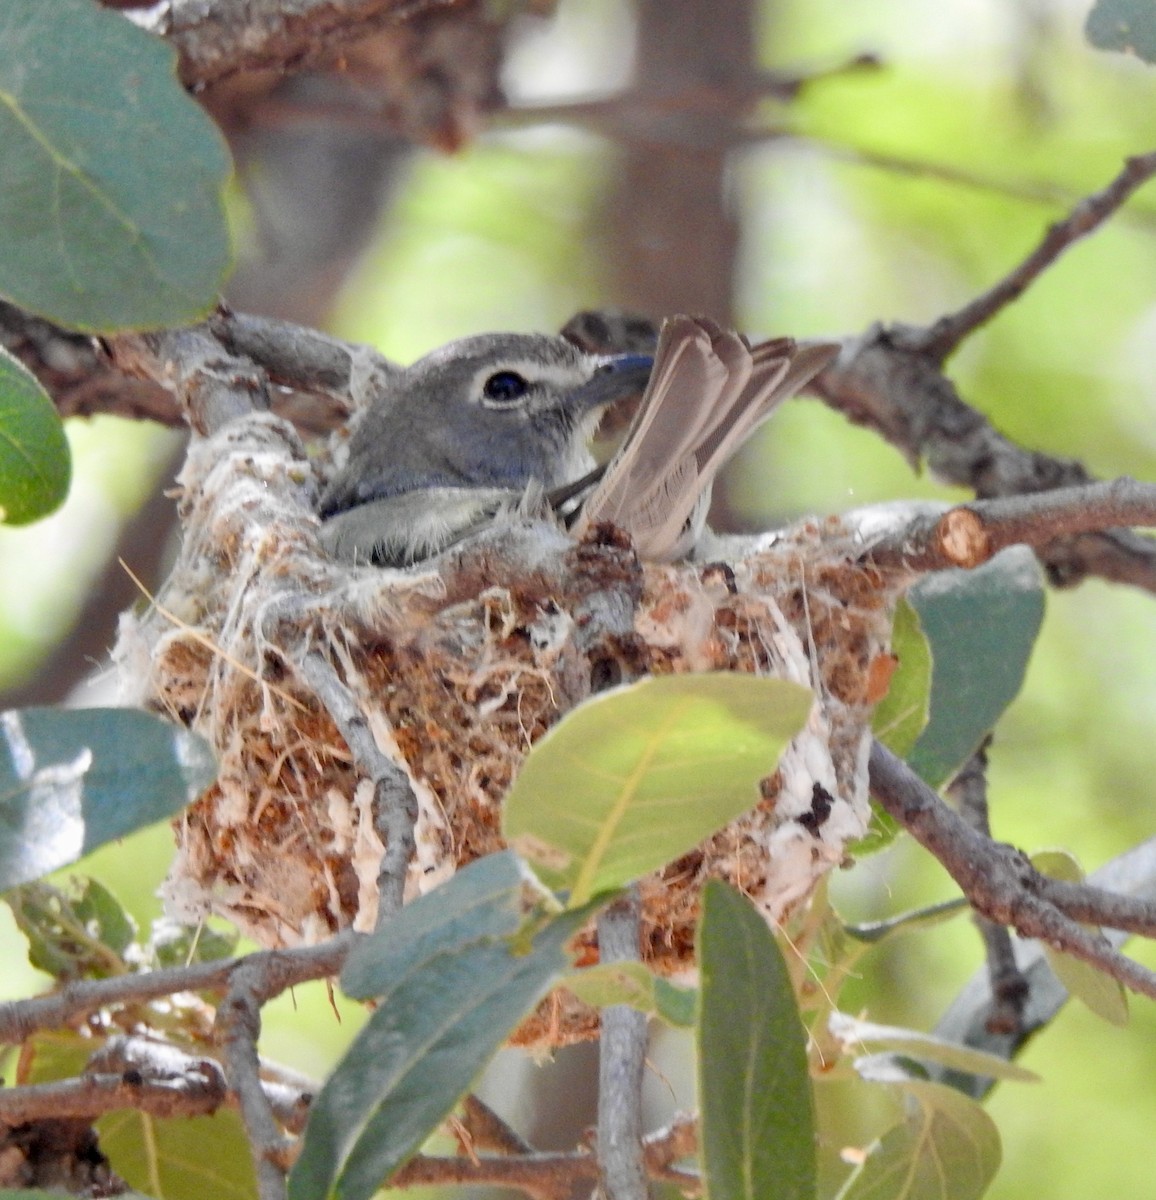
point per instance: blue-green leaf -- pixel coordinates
(112, 178)
(982, 626)
(758, 1136)
(460, 980)
(73, 779)
(1125, 25)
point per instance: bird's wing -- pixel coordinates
(708, 391)
(400, 530)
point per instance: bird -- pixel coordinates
(482, 423)
(464, 432)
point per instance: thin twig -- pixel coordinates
(394, 803)
(278, 971)
(621, 1060)
(945, 335)
(1009, 986)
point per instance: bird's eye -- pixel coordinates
(504, 387)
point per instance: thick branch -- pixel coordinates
(970, 534)
(212, 385)
(1001, 883)
(218, 38)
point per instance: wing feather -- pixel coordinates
(708, 391)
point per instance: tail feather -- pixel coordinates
(708, 391)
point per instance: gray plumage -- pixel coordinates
(481, 423)
(463, 432)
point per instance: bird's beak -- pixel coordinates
(616, 378)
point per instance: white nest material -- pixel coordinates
(458, 667)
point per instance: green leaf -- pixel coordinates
(176, 945)
(900, 716)
(981, 626)
(947, 1149)
(855, 1033)
(170, 1159)
(916, 918)
(638, 775)
(1125, 25)
(1101, 993)
(758, 1137)
(490, 899)
(454, 972)
(634, 984)
(111, 209)
(79, 934)
(35, 461)
(71, 780)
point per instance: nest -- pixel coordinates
(458, 669)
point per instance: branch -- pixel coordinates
(968, 1019)
(239, 1029)
(556, 1176)
(621, 1059)
(884, 381)
(395, 806)
(218, 38)
(78, 377)
(945, 335)
(970, 534)
(275, 971)
(700, 115)
(307, 361)
(891, 380)
(1008, 986)
(1001, 883)
(149, 1076)
(212, 385)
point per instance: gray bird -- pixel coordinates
(463, 432)
(476, 425)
